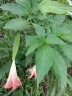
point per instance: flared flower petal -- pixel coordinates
(13, 81)
(32, 72)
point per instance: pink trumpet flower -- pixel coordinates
(13, 81)
(32, 72)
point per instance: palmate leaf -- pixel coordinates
(60, 67)
(17, 24)
(14, 8)
(44, 60)
(48, 6)
(67, 50)
(52, 39)
(34, 45)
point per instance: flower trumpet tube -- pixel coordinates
(32, 72)
(13, 81)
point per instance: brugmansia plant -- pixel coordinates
(48, 35)
(13, 80)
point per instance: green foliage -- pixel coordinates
(48, 6)
(5, 68)
(39, 31)
(46, 41)
(24, 3)
(60, 67)
(52, 39)
(14, 9)
(34, 45)
(17, 24)
(67, 51)
(35, 6)
(29, 39)
(44, 60)
(16, 46)
(67, 37)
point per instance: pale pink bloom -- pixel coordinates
(13, 81)
(32, 72)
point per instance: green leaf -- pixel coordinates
(44, 60)
(48, 6)
(3, 23)
(5, 68)
(24, 3)
(34, 45)
(3, 55)
(68, 25)
(16, 46)
(35, 6)
(19, 93)
(54, 89)
(29, 39)
(69, 81)
(67, 50)
(52, 39)
(41, 17)
(61, 91)
(14, 8)
(17, 24)
(29, 58)
(67, 61)
(58, 19)
(67, 37)
(60, 31)
(40, 31)
(67, 94)
(60, 67)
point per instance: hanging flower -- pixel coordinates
(13, 81)
(32, 72)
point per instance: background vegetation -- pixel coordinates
(49, 85)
